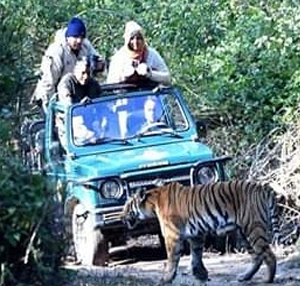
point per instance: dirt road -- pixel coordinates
(143, 265)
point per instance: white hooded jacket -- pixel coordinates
(120, 61)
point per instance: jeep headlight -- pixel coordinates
(111, 189)
(206, 175)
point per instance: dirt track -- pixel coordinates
(143, 265)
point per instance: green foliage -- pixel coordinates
(28, 241)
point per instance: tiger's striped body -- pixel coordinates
(192, 212)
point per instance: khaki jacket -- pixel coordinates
(57, 61)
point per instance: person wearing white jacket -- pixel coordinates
(136, 62)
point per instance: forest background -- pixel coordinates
(237, 63)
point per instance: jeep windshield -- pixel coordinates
(117, 119)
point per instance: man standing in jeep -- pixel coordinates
(60, 58)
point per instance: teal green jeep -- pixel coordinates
(104, 150)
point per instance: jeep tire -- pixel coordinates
(91, 248)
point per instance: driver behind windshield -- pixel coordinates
(149, 116)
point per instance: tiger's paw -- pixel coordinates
(200, 283)
(162, 282)
(166, 279)
(243, 277)
(201, 275)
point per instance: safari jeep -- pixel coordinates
(101, 155)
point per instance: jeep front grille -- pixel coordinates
(151, 182)
(152, 179)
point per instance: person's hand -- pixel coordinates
(128, 71)
(100, 65)
(143, 70)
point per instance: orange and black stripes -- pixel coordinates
(188, 212)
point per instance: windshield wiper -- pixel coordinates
(162, 131)
(104, 140)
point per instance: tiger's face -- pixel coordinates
(137, 209)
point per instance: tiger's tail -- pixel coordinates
(274, 219)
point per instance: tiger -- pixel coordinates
(192, 212)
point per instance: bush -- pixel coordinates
(30, 249)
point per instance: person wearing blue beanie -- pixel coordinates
(76, 28)
(75, 34)
(70, 44)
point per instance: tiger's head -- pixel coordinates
(137, 208)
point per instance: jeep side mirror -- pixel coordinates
(201, 128)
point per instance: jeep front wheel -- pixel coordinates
(90, 245)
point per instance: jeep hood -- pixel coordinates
(117, 162)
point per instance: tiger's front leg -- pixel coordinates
(198, 268)
(173, 248)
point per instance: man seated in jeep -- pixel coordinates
(151, 110)
(82, 135)
(79, 84)
(146, 118)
